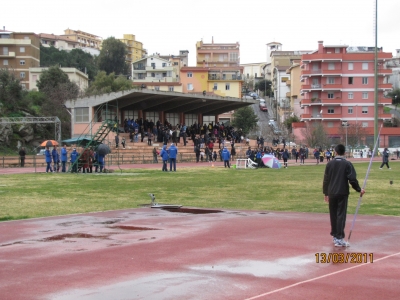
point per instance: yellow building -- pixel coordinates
(294, 85)
(134, 47)
(86, 41)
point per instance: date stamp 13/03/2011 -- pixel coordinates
(344, 258)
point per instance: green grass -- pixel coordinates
(293, 189)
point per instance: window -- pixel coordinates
(284, 79)
(350, 80)
(255, 75)
(350, 96)
(190, 87)
(223, 76)
(247, 75)
(315, 67)
(330, 124)
(81, 114)
(157, 88)
(227, 87)
(365, 95)
(331, 110)
(233, 57)
(23, 85)
(171, 88)
(22, 49)
(365, 80)
(365, 66)
(350, 66)
(164, 64)
(331, 66)
(153, 65)
(22, 62)
(337, 50)
(364, 124)
(330, 80)
(189, 74)
(5, 50)
(364, 110)
(350, 110)
(164, 74)
(215, 86)
(22, 74)
(153, 74)
(331, 95)
(5, 62)
(175, 63)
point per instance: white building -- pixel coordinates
(74, 75)
(153, 69)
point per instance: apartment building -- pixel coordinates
(74, 75)
(86, 41)
(178, 61)
(134, 47)
(337, 84)
(19, 51)
(293, 106)
(58, 41)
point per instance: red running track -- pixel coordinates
(157, 254)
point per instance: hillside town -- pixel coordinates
(292, 92)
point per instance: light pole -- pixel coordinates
(345, 124)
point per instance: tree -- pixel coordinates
(288, 122)
(112, 57)
(76, 58)
(105, 84)
(245, 119)
(262, 84)
(57, 88)
(315, 135)
(395, 95)
(355, 134)
(11, 93)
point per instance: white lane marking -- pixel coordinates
(319, 277)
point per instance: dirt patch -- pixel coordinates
(78, 235)
(196, 211)
(126, 227)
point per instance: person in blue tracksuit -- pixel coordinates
(172, 152)
(99, 161)
(164, 156)
(47, 154)
(226, 157)
(73, 158)
(56, 159)
(64, 158)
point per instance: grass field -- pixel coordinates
(293, 189)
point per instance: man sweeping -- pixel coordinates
(338, 174)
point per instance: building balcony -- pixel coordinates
(385, 86)
(311, 87)
(384, 101)
(159, 69)
(322, 57)
(139, 68)
(319, 116)
(288, 94)
(384, 72)
(226, 78)
(385, 116)
(7, 55)
(288, 83)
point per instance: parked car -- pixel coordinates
(42, 152)
(263, 107)
(249, 97)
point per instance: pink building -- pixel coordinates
(338, 85)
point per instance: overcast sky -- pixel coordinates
(167, 26)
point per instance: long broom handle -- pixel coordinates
(365, 183)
